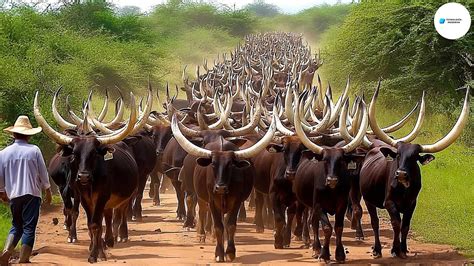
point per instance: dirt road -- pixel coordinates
(173, 245)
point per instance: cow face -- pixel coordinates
(338, 165)
(161, 136)
(292, 149)
(84, 154)
(223, 164)
(407, 170)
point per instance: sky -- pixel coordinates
(286, 6)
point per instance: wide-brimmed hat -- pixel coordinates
(23, 126)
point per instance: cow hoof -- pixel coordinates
(402, 255)
(376, 254)
(306, 241)
(316, 253)
(298, 238)
(230, 257)
(260, 229)
(66, 227)
(92, 259)
(156, 203)
(219, 258)
(71, 240)
(202, 238)
(278, 246)
(123, 239)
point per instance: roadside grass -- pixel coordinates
(5, 222)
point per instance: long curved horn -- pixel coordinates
(250, 126)
(360, 135)
(76, 119)
(118, 117)
(396, 126)
(59, 119)
(373, 121)
(127, 129)
(105, 108)
(299, 131)
(47, 129)
(260, 145)
(143, 119)
(455, 131)
(416, 130)
(187, 145)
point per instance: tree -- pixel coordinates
(260, 8)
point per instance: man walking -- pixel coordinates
(23, 174)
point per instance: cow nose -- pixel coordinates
(221, 189)
(400, 174)
(290, 174)
(331, 181)
(83, 177)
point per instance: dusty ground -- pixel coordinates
(173, 245)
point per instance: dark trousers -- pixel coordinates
(25, 213)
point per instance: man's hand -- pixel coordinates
(4, 197)
(48, 197)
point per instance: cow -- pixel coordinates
(106, 175)
(223, 179)
(322, 183)
(390, 177)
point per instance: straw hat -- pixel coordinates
(23, 126)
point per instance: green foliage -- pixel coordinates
(5, 222)
(262, 9)
(397, 41)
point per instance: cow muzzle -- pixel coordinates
(221, 189)
(290, 174)
(331, 181)
(402, 178)
(83, 178)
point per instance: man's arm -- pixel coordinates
(44, 177)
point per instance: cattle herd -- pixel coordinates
(252, 124)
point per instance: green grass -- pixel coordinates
(5, 222)
(445, 212)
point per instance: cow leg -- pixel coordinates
(279, 216)
(306, 236)
(242, 212)
(396, 226)
(116, 220)
(123, 228)
(356, 216)
(327, 229)
(315, 218)
(338, 228)
(231, 226)
(268, 212)
(109, 236)
(154, 192)
(298, 232)
(95, 231)
(259, 211)
(137, 203)
(130, 207)
(374, 221)
(290, 213)
(202, 221)
(405, 228)
(219, 231)
(191, 201)
(252, 199)
(67, 209)
(72, 238)
(209, 224)
(181, 211)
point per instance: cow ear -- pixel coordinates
(238, 141)
(426, 159)
(65, 150)
(130, 141)
(102, 150)
(274, 148)
(388, 152)
(201, 161)
(242, 164)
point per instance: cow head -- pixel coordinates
(224, 164)
(161, 135)
(407, 170)
(292, 149)
(406, 160)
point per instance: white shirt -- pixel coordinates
(22, 170)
